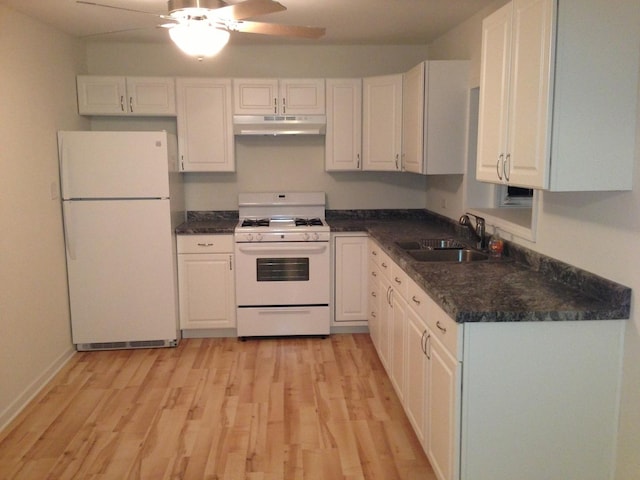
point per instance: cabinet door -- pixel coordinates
(151, 96)
(415, 397)
(205, 125)
(101, 95)
(442, 416)
(446, 104)
(397, 331)
(351, 288)
(343, 141)
(255, 96)
(206, 289)
(528, 125)
(382, 123)
(494, 95)
(413, 91)
(302, 96)
(375, 300)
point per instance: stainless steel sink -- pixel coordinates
(430, 244)
(462, 255)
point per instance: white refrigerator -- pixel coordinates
(119, 223)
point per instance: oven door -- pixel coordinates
(282, 274)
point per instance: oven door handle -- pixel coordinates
(289, 248)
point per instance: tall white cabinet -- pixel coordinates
(382, 122)
(205, 125)
(343, 140)
(434, 117)
(558, 94)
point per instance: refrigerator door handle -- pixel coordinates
(62, 155)
(66, 213)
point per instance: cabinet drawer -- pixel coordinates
(205, 243)
(400, 281)
(444, 328)
(418, 300)
(381, 259)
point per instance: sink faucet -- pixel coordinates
(478, 231)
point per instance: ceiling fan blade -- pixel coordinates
(248, 9)
(110, 32)
(278, 29)
(104, 5)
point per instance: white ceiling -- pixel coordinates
(367, 22)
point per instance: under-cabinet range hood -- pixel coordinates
(279, 124)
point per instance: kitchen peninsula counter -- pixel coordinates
(523, 286)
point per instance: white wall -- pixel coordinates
(37, 96)
(280, 163)
(598, 232)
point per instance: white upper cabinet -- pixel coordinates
(205, 125)
(382, 123)
(343, 140)
(269, 96)
(135, 96)
(558, 96)
(434, 116)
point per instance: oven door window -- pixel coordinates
(282, 269)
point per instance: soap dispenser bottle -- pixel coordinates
(496, 245)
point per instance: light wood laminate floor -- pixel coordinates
(291, 408)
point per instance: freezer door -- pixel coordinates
(121, 267)
(113, 164)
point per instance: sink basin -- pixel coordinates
(430, 244)
(462, 255)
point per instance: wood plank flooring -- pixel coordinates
(268, 409)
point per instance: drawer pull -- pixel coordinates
(373, 294)
(205, 244)
(384, 265)
(440, 327)
(374, 253)
(415, 300)
(374, 274)
(398, 281)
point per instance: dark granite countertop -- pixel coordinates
(523, 286)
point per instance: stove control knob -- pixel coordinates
(306, 236)
(315, 236)
(258, 237)
(250, 237)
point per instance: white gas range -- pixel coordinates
(282, 264)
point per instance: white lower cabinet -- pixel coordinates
(351, 293)
(499, 400)
(206, 282)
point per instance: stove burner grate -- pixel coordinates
(255, 222)
(308, 222)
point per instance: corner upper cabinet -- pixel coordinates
(130, 96)
(434, 117)
(343, 140)
(557, 97)
(382, 123)
(269, 96)
(205, 125)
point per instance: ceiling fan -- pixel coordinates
(201, 28)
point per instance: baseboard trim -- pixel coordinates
(14, 409)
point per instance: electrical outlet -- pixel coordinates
(443, 203)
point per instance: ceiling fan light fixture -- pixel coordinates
(199, 38)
